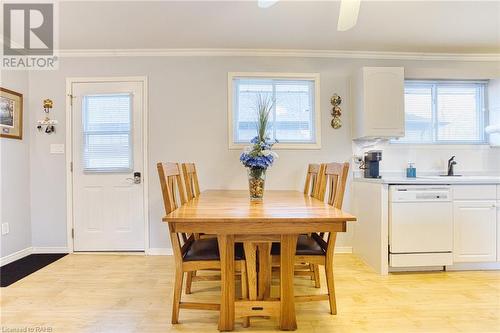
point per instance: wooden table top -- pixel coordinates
(231, 206)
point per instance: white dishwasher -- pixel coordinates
(420, 225)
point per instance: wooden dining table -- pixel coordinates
(280, 217)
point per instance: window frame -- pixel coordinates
(315, 77)
(434, 85)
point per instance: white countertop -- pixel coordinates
(432, 180)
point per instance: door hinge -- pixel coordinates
(71, 99)
(71, 166)
(72, 233)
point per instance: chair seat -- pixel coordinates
(208, 249)
(306, 246)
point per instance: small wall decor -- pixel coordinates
(336, 100)
(11, 114)
(47, 125)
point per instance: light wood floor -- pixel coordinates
(120, 293)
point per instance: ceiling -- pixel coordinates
(388, 26)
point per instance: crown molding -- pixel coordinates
(202, 52)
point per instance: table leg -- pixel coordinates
(226, 250)
(251, 260)
(264, 270)
(288, 321)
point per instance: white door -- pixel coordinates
(107, 139)
(474, 229)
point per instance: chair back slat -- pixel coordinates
(311, 187)
(191, 180)
(334, 176)
(171, 185)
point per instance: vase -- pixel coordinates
(256, 182)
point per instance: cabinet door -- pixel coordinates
(384, 101)
(474, 230)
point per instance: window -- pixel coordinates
(445, 112)
(295, 116)
(107, 133)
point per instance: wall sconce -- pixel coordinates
(336, 100)
(47, 125)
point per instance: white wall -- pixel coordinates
(479, 159)
(15, 175)
(188, 122)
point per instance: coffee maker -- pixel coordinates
(371, 163)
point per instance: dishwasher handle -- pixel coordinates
(426, 194)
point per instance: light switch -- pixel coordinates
(57, 148)
(5, 228)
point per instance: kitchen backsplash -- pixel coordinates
(432, 159)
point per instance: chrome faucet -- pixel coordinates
(451, 163)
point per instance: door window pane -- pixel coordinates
(107, 142)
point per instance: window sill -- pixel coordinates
(443, 146)
(280, 146)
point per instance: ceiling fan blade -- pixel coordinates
(266, 3)
(348, 16)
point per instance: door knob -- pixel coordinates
(136, 179)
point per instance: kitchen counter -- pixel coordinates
(392, 180)
(461, 210)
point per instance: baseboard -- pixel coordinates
(159, 251)
(42, 249)
(416, 269)
(16, 256)
(476, 266)
(343, 249)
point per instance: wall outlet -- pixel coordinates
(358, 159)
(5, 228)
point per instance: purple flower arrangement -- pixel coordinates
(260, 155)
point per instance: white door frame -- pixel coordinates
(69, 150)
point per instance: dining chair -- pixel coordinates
(191, 180)
(318, 249)
(192, 191)
(192, 254)
(311, 187)
(334, 178)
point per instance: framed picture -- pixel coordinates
(11, 114)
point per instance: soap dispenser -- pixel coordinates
(411, 171)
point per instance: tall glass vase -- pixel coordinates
(256, 183)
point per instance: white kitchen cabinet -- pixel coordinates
(474, 231)
(474, 192)
(378, 101)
